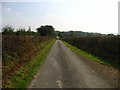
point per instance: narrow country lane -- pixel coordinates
(66, 69)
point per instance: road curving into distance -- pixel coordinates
(66, 69)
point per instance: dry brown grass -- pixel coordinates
(18, 50)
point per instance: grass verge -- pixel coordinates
(86, 54)
(24, 75)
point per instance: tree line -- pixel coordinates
(71, 33)
(46, 30)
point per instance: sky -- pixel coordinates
(64, 15)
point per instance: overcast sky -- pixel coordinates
(64, 15)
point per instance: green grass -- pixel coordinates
(86, 54)
(24, 75)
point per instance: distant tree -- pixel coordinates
(21, 31)
(71, 33)
(8, 30)
(59, 34)
(111, 35)
(29, 29)
(29, 32)
(46, 30)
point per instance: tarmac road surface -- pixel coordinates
(65, 69)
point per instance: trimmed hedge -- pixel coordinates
(106, 47)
